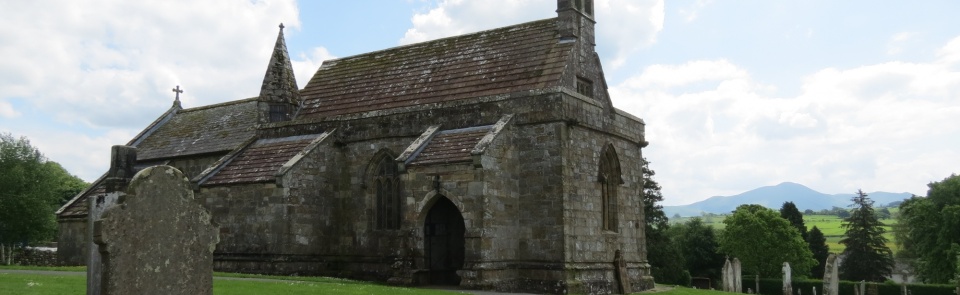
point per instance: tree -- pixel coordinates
(666, 261)
(763, 241)
(698, 245)
(929, 230)
(843, 214)
(867, 257)
(818, 246)
(33, 188)
(790, 212)
(808, 212)
(883, 213)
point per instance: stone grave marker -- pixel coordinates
(787, 284)
(622, 276)
(726, 275)
(737, 276)
(831, 279)
(157, 239)
(122, 159)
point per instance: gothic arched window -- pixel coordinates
(610, 180)
(387, 183)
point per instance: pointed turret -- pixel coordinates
(279, 95)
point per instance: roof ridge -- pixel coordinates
(437, 40)
(216, 105)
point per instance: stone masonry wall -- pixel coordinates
(72, 241)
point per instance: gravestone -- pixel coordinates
(727, 276)
(787, 284)
(157, 239)
(122, 159)
(831, 279)
(622, 276)
(737, 276)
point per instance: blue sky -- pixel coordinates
(836, 95)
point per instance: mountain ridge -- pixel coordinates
(774, 196)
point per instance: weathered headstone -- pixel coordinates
(157, 239)
(814, 290)
(737, 276)
(122, 159)
(831, 279)
(727, 277)
(787, 284)
(622, 277)
(756, 282)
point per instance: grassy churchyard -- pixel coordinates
(830, 225)
(75, 283)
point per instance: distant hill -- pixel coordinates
(774, 197)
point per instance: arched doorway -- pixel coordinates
(443, 242)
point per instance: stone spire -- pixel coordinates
(279, 94)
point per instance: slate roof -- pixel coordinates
(516, 58)
(202, 130)
(451, 146)
(77, 207)
(260, 161)
(208, 129)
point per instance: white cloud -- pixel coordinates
(7, 111)
(691, 13)
(305, 66)
(93, 66)
(897, 41)
(627, 25)
(950, 53)
(887, 126)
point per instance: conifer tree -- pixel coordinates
(820, 250)
(790, 212)
(867, 256)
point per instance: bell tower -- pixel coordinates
(576, 21)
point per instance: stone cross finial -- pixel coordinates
(178, 91)
(281, 26)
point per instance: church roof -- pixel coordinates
(451, 146)
(516, 58)
(209, 129)
(182, 132)
(261, 161)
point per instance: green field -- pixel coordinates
(31, 284)
(830, 225)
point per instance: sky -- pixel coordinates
(835, 95)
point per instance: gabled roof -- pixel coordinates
(451, 146)
(516, 58)
(182, 132)
(209, 129)
(78, 206)
(261, 161)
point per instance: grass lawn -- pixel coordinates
(29, 284)
(683, 291)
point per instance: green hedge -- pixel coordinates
(775, 286)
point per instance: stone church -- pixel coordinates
(492, 160)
